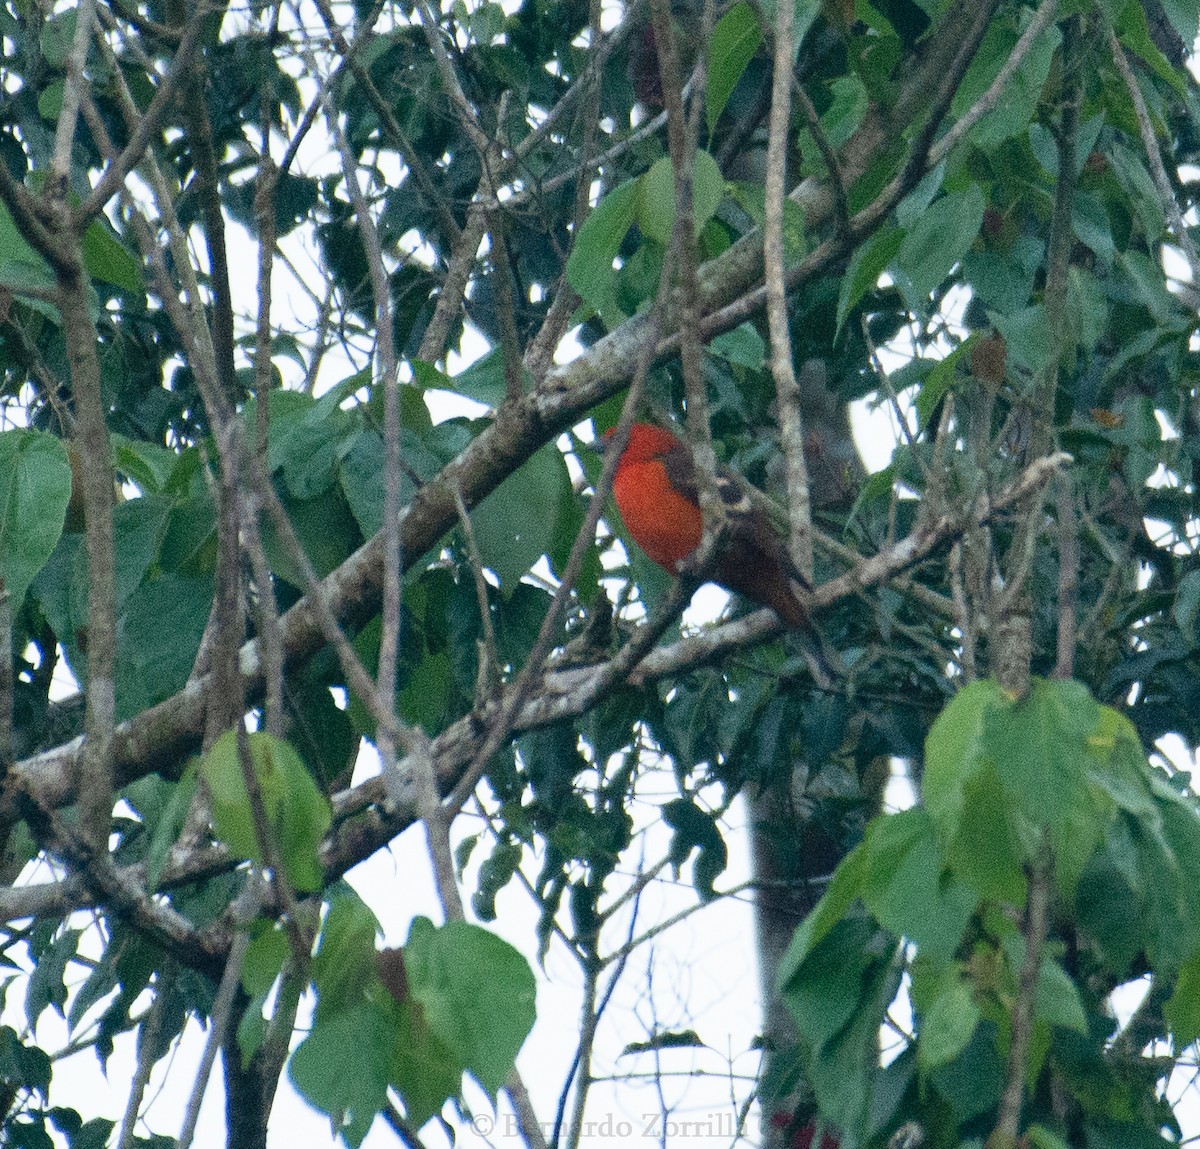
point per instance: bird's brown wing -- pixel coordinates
(755, 560)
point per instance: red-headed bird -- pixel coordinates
(656, 490)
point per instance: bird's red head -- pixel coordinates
(646, 442)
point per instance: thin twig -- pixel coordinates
(999, 86)
(1162, 183)
(783, 371)
(1008, 1116)
(1068, 579)
(68, 116)
(218, 1023)
(148, 1039)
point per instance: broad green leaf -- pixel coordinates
(847, 110)
(1021, 93)
(903, 885)
(518, 522)
(1184, 16)
(139, 527)
(937, 383)
(50, 100)
(1187, 607)
(105, 258)
(1027, 334)
(916, 203)
(1043, 750)
(296, 812)
(484, 381)
(656, 196)
(868, 263)
(476, 993)
(1182, 1011)
(1057, 1000)
(843, 891)
(954, 751)
(735, 39)
(590, 268)
(344, 964)
(949, 1023)
(1108, 888)
(844, 1070)
(1134, 33)
(327, 532)
(935, 243)
(20, 265)
(266, 955)
(35, 488)
(169, 825)
(986, 853)
(827, 987)
(344, 1065)
(26, 1064)
(1042, 1138)
(46, 985)
(743, 346)
(162, 625)
(149, 465)
(424, 1070)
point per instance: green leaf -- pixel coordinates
(986, 853)
(1042, 1138)
(903, 884)
(1182, 1010)
(843, 890)
(1184, 16)
(162, 625)
(696, 829)
(656, 196)
(937, 383)
(1187, 607)
(149, 465)
(21, 266)
(953, 752)
(868, 263)
(344, 1065)
(424, 1070)
(344, 964)
(1056, 999)
(35, 488)
(590, 266)
(949, 1023)
(827, 987)
(265, 957)
(518, 522)
(485, 380)
(1042, 751)
(139, 527)
(1014, 111)
(476, 992)
(847, 110)
(735, 39)
(1027, 334)
(106, 259)
(296, 811)
(743, 347)
(935, 243)
(1134, 33)
(169, 825)
(46, 985)
(50, 100)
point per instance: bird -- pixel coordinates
(656, 489)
